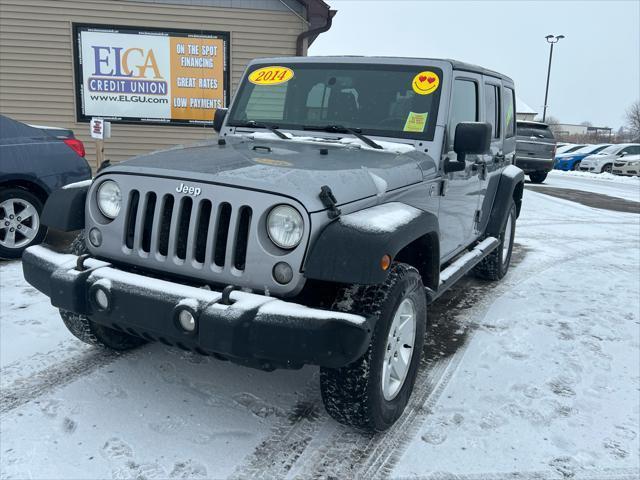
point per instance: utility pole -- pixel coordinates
(552, 40)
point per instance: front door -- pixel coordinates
(459, 204)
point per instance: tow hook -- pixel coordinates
(226, 295)
(80, 262)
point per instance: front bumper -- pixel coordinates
(629, 170)
(529, 164)
(254, 330)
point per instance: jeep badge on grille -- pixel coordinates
(193, 191)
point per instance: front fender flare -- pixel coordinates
(65, 207)
(345, 254)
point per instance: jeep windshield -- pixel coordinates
(373, 100)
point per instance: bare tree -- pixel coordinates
(632, 117)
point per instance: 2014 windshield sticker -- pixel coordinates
(416, 122)
(425, 83)
(271, 75)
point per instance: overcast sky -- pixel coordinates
(596, 69)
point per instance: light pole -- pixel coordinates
(552, 40)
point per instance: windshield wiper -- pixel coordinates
(342, 129)
(273, 128)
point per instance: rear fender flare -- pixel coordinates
(510, 187)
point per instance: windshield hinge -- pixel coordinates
(329, 200)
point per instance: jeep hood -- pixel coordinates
(285, 167)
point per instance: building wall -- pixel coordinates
(37, 69)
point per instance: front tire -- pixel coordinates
(607, 168)
(372, 392)
(537, 177)
(20, 225)
(90, 332)
(576, 167)
(495, 265)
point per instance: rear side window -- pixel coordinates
(464, 107)
(492, 107)
(541, 131)
(509, 112)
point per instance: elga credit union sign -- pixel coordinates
(150, 76)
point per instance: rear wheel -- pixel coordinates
(372, 392)
(495, 265)
(88, 331)
(537, 177)
(20, 225)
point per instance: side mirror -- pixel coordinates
(218, 118)
(473, 138)
(622, 154)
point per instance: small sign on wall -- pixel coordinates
(100, 130)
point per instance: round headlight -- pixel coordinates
(109, 199)
(285, 226)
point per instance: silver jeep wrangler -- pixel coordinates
(341, 197)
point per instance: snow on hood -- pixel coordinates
(293, 168)
(391, 147)
(385, 218)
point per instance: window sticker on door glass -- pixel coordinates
(416, 122)
(271, 75)
(425, 83)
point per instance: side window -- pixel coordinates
(464, 106)
(632, 150)
(492, 107)
(509, 113)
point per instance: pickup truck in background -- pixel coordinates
(535, 149)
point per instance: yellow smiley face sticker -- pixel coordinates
(425, 83)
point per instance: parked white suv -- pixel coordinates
(603, 160)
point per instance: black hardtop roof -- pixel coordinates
(455, 64)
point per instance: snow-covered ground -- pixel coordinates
(534, 377)
(627, 188)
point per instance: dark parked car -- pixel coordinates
(34, 161)
(535, 149)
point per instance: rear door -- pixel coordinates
(460, 201)
(491, 163)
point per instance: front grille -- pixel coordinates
(187, 230)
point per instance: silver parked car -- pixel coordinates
(535, 149)
(604, 160)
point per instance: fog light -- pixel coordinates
(187, 321)
(101, 298)
(95, 237)
(282, 272)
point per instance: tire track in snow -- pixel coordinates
(24, 390)
(605, 474)
(346, 453)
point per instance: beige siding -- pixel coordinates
(36, 62)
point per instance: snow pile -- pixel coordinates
(392, 147)
(607, 177)
(383, 218)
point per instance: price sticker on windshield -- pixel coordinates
(271, 75)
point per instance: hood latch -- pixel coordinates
(329, 200)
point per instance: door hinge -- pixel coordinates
(476, 219)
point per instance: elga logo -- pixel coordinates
(130, 70)
(187, 190)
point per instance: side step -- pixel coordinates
(450, 275)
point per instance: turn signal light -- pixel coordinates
(385, 262)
